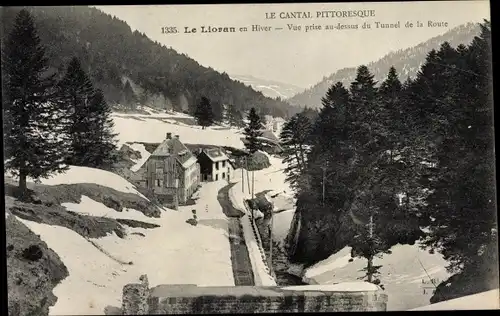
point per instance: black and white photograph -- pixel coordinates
(249, 158)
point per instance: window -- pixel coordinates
(217, 165)
(223, 175)
(159, 172)
(216, 177)
(223, 164)
(159, 182)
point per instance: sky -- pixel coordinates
(295, 57)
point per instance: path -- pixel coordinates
(240, 259)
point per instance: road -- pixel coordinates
(240, 259)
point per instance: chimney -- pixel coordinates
(169, 135)
(177, 136)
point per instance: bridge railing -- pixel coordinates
(256, 233)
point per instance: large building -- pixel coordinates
(215, 165)
(172, 172)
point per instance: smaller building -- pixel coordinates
(215, 165)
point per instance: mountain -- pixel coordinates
(130, 68)
(269, 88)
(406, 61)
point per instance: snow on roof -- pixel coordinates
(76, 174)
(189, 162)
(269, 135)
(484, 300)
(216, 154)
(173, 146)
(338, 287)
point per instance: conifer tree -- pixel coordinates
(218, 111)
(294, 140)
(461, 211)
(76, 93)
(393, 129)
(34, 144)
(389, 95)
(237, 117)
(234, 117)
(129, 97)
(253, 131)
(203, 113)
(103, 152)
(324, 187)
(371, 192)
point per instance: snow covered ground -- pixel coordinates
(77, 174)
(272, 178)
(153, 128)
(402, 273)
(338, 287)
(262, 276)
(174, 253)
(154, 113)
(178, 253)
(489, 300)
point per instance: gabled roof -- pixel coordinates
(216, 154)
(174, 147)
(267, 134)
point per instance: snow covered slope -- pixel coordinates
(173, 253)
(402, 273)
(152, 128)
(489, 300)
(77, 174)
(269, 88)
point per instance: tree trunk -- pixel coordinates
(22, 184)
(369, 268)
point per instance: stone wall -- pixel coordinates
(189, 299)
(135, 297)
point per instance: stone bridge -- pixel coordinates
(139, 299)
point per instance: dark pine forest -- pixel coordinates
(394, 162)
(132, 69)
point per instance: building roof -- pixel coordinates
(174, 147)
(270, 136)
(216, 154)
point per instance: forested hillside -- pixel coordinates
(407, 62)
(397, 163)
(130, 68)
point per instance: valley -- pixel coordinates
(175, 252)
(138, 180)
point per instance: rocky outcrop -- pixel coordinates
(477, 277)
(50, 195)
(86, 226)
(33, 270)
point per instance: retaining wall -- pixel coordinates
(190, 299)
